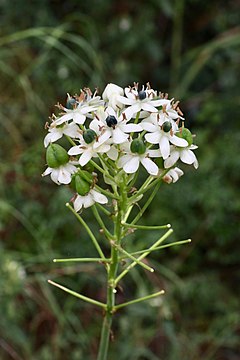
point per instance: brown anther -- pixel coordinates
(81, 97)
(124, 116)
(177, 122)
(132, 190)
(46, 126)
(148, 86)
(171, 132)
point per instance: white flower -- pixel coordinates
(130, 161)
(56, 132)
(145, 100)
(173, 175)
(85, 104)
(186, 155)
(110, 95)
(157, 135)
(89, 199)
(62, 174)
(88, 151)
(111, 125)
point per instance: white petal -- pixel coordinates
(173, 158)
(98, 197)
(130, 111)
(64, 177)
(54, 176)
(79, 118)
(164, 147)
(119, 136)
(148, 107)
(124, 100)
(178, 141)
(64, 118)
(123, 160)
(71, 130)
(75, 150)
(148, 126)
(132, 165)
(47, 171)
(150, 166)
(112, 153)
(102, 138)
(154, 153)
(78, 203)
(52, 136)
(86, 157)
(187, 156)
(88, 200)
(153, 138)
(130, 127)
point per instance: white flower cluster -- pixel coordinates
(124, 128)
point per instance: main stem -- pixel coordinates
(112, 273)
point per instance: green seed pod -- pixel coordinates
(81, 185)
(89, 135)
(138, 146)
(56, 156)
(85, 175)
(166, 126)
(186, 134)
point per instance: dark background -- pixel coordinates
(190, 49)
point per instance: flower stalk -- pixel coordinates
(111, 139)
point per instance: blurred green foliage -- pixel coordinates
(189, 48)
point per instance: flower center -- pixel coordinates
(89, 135)
(142, 95)
(111, 121)
(138, 146)
(166, 126)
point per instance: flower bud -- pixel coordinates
(56, 156)
(142, 95)
(166, 126)
(186, 135)
(82, 186)
(89, 135)
(138, 146)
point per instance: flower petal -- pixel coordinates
(86, 157)
(172, 159)
(150, 166)
(132, 165)
(78, 203)
(153, 138)
(98, 197)
(119, 136)
(178, 141)
(164, 147)
(187, 156)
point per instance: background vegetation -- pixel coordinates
(187, 48)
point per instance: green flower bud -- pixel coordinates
(81, 185)
(138, 146)
(186, 134)
(56, 156)
(166, 126)
(89, 135)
